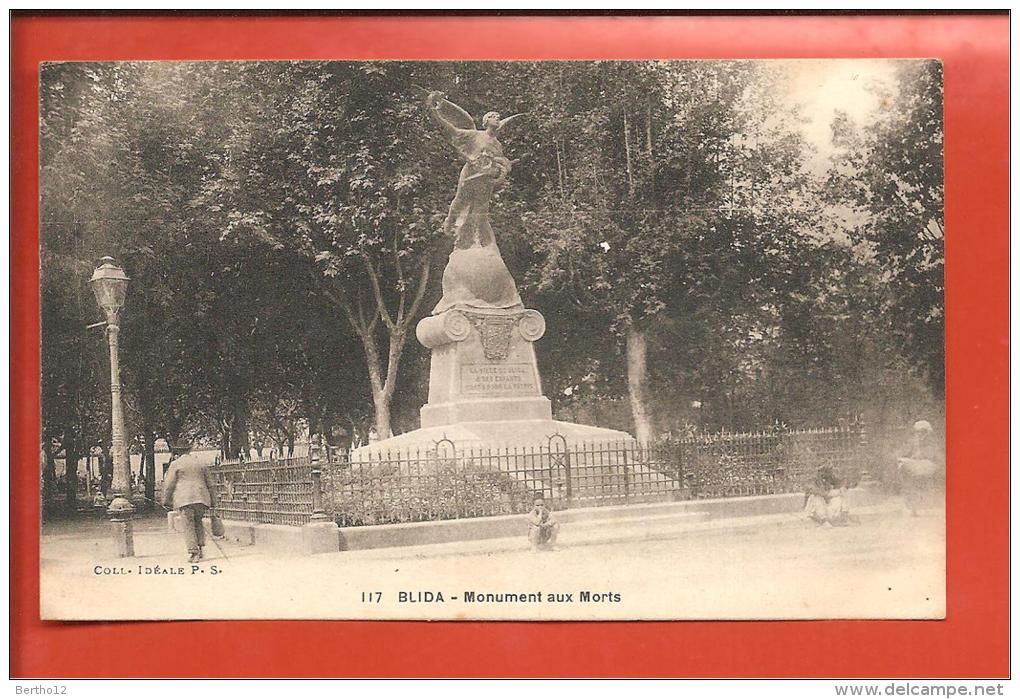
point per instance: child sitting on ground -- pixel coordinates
(542, 528)
(825, 499)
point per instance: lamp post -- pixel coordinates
(109, 283)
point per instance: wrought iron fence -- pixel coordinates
(277, 491)
(779, 461)
(880, 449)
(449, 482)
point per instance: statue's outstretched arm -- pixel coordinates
(450, 118)
(448, 129)
(506, 121)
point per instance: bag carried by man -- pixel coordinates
(215, 524)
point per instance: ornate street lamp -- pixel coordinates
(109, 283)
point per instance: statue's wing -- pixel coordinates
(455, 115)
(510, 118)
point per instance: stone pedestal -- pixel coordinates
(484, 386)
(483, 367)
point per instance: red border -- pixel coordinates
(974, 639)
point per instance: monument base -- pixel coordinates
(483, 367)
(496, 435)
(487, 410)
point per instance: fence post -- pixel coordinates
(678, 460)
(318, 513)
(562, 457)
(696, 466)
(320, 534)
(570, 482)
(456, 487)
(626, 473)
(862, 451)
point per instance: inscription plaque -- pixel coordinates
(497, 380)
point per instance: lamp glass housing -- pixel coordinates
(109, 284)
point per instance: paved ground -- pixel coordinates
(886, 565)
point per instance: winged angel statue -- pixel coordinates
(475, 276)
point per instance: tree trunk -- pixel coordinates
(105, 471)
(381, 400)
(637, 384)
(149, 466)
(226, 448)
(239, 434)
(397, 327)
(380, 395)
(70, 475)
(49, 473)
(315, 427)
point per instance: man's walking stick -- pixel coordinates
(222, 552)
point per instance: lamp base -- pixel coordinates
(121, 513)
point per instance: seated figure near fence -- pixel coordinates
(542, 527)
(825, 499)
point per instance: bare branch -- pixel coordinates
(423, 282)
(370, 324)
(361, 315)
(374, 279)
(400, 281)
(357, 321)
(396, 260)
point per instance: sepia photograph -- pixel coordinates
(492, 340)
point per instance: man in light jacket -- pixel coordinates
(188, 488)
(922, 465)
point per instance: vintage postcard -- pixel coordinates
(588, 340)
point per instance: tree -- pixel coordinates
(107, 189)
(133, 157)
(673, 183)
(340, 174)
(892, 172)
(74, 364)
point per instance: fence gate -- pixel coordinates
(559, 468)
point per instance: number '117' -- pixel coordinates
(371, 597)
